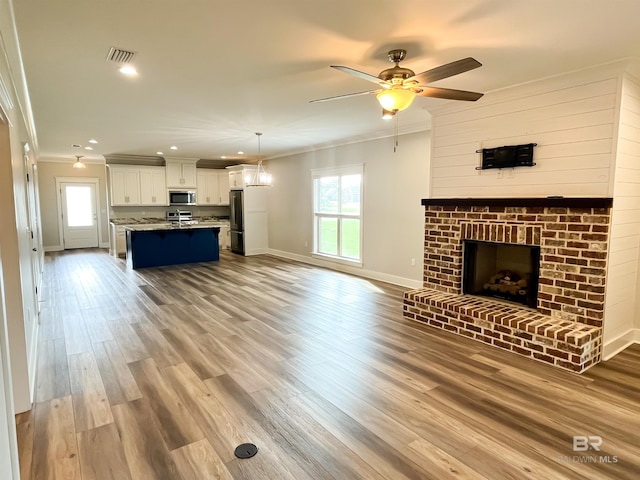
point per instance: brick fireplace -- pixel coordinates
(565, 327)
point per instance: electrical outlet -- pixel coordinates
(413, 262)
(306, 244)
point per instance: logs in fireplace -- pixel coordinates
(502, 270)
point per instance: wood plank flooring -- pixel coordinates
(161, 373)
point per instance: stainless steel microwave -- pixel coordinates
(182, 197)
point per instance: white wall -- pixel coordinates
(17, 281)
(47, 172)
(393, 218)
(572, 118)
(623, 299)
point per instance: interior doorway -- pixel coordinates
(78, 206)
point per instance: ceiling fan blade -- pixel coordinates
(445, 71)
(358, 73)
(450, 94)
(337, 97)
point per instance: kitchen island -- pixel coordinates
(154, 246)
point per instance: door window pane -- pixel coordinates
(350, 238)
(328, 235)
(79, 203)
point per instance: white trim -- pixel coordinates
(342, 260)
(615, 346)
(256, 251)
(338, 170)
(96, 182)
(358, 272)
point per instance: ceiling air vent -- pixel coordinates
(120, 55)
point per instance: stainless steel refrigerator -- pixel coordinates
(236, 221)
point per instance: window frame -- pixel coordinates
(341, 171)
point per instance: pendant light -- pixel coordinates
(260, 177)
(78, 163)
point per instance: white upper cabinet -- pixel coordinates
(213, 187)
(124, 185)
(238, 175)
(223, 182)
(181, 174)
(153, 186)
(132, 185)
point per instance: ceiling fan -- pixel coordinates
(399, 85)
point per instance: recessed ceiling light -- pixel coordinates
(223, 157)
(93, 140)
(88, 148)
(173, 147)
(240, 153)
(128, 70)
(159, 153)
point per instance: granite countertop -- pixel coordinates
(162, 221)
(167, 226)
(138, 221)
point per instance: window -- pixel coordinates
(337, 207)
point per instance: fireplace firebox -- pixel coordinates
(501, 270)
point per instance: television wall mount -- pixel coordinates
(508, 156)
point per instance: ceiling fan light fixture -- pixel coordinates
(78, 163)
(388, 114)
(397, 99)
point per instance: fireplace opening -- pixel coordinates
(502, 270)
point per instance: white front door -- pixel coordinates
(79, 218)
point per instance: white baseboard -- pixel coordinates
(615, 346)
(59, 248)
(34, 359)
(256, 251)
(360, 272)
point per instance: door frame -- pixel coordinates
(59, 182)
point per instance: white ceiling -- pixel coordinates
(214, 72)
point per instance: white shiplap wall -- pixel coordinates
(572, 118)
(587, 127)
(622, 307)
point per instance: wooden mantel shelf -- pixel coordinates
(575, 202)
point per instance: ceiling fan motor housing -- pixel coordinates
(395, 72)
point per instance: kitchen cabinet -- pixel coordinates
(118, 237)
(153, 186)
(213, 187)
(181, 174)
(118, 241)
(238, 175)
(132, 185)
(124, 185)
(223, 182)
(224, 238)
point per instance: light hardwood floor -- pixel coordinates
(161, 373)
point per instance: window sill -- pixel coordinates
(343, 261)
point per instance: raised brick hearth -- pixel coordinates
(565, 329)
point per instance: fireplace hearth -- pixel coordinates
(566, 241)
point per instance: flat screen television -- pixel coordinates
(508, 156)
